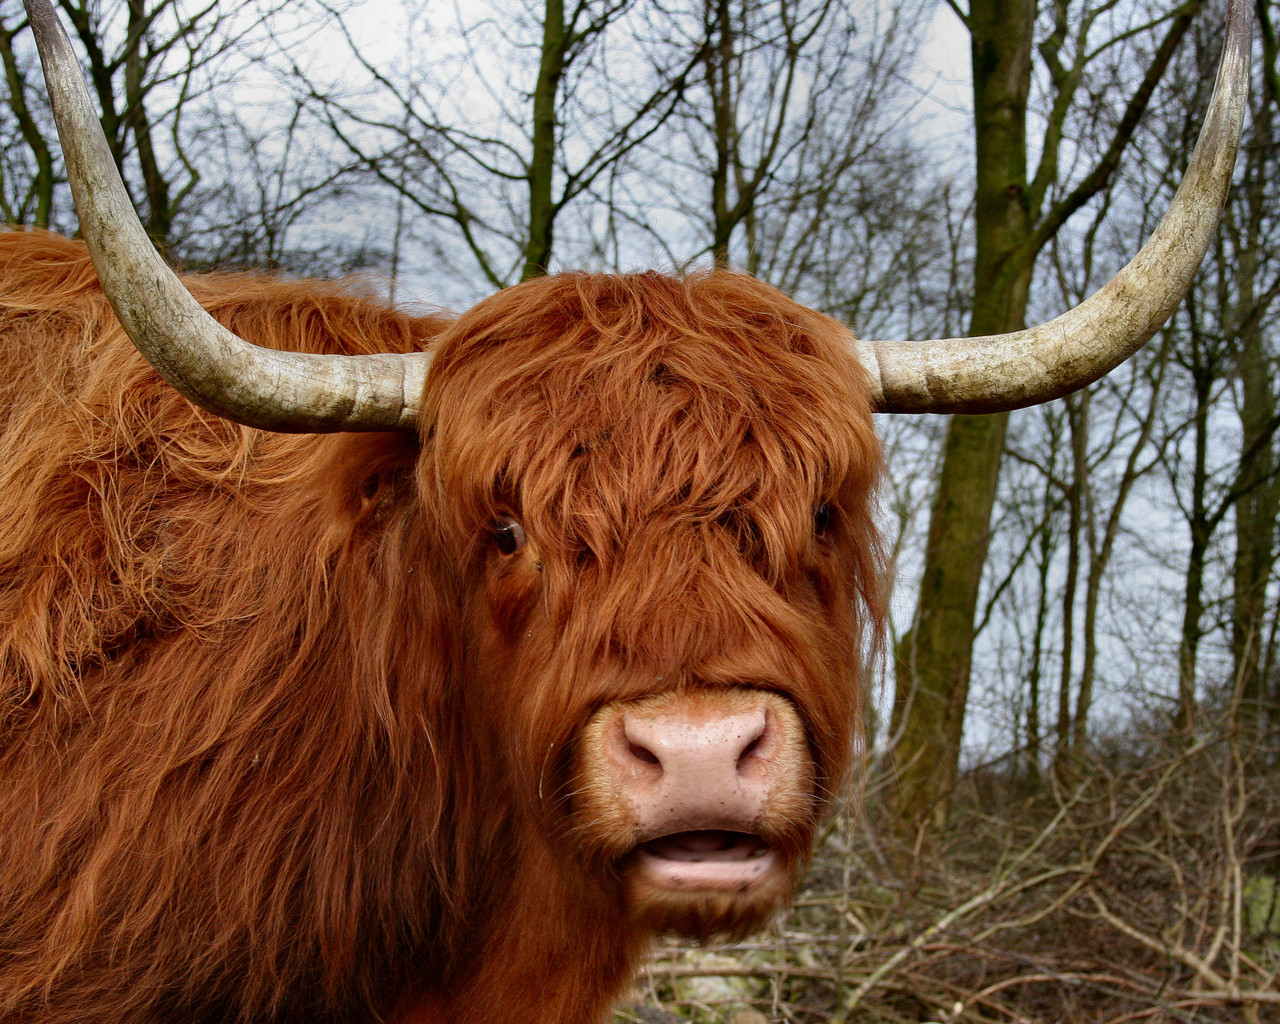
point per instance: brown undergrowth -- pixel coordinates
(1140, 886)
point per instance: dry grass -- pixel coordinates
(1144, 888)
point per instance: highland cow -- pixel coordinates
(342, 721)
(425, 668)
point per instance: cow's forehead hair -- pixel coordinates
(598, 399)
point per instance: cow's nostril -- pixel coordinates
(754, 739)
(642, 753)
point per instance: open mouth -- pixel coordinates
(706, 859)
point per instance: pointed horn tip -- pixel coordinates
(212, 367)
(938, 375)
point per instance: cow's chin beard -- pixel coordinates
(707, 885)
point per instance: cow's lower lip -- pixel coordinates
(708, 859)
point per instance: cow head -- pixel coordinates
(663, 487)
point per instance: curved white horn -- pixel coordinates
(1009, 371)
(282, 391)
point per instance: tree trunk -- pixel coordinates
(159, 208)
(934, 658)
(1255, 513)
(542, 212)
(1259, 506)
(42, 187)
(1193, 587)
(1046, 541)
(719, 67)
(1078, 425)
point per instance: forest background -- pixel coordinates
(1069, 808)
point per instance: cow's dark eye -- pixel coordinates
(508, 535)
(821, 519)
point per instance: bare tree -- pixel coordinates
(1016, 215)
(478, 145)
(148, 63)
(27, 166)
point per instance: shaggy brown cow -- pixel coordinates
(338, 721)
(437, 723)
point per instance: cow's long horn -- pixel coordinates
(1010, 371)
(283, 391)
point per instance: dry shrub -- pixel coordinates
(1140, 885)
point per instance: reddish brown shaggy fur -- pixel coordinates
(285, 738)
